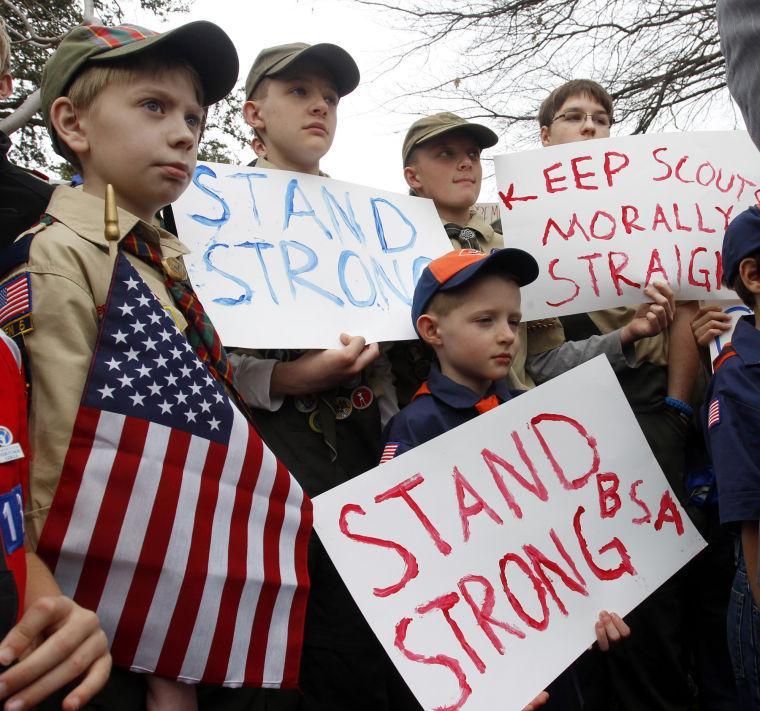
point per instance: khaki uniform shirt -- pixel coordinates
(70, 271)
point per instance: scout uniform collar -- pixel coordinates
(83, 214)
(459, 396)
(264, 163)
(746, 341)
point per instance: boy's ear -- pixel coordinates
(545, 135)
(427, 327)
(749, 270)
(6, 85)
(412, 179)
(68, 124)
(252, 115)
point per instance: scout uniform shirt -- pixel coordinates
(731, 418)
(438, 406)
(14, 469)
(69, 270)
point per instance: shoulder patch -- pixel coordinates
(726, 352)
(713, 413)
(389, 452)
(16, 305)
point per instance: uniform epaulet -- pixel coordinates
(726, 352)
(422, 390)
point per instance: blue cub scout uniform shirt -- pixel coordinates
(732, 424)
(440, 405)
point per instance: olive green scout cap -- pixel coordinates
(439, 124)
(204, 45)
(273, 60)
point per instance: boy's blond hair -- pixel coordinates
(5, 49)
(96, 77)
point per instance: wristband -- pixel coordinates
(680, 405)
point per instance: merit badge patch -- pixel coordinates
(362, 397)
(6, 436)
(16, 305)
(12, 519)
(388, 452)
(713, 413)
(343, 407)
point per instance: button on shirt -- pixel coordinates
(439, 406)
(732, 425)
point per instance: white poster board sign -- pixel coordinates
(604, 218)
(735, 309)
(288, 260)
(482, 558)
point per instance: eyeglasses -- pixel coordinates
(600, 118)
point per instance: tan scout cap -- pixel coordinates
(438, 124)
(273, 60)
(204, 45)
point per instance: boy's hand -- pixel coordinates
(610, 629)
(710, 321)
(170, 695)
(74, 645)
(539, 701)
(316, 371)
(652, 317)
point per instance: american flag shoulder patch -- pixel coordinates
(389, 452)
(713, 413)
(16, 305)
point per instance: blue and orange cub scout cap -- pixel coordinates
(205, 46)
(462, 265)
(742, 239)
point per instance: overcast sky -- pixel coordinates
(372, 120)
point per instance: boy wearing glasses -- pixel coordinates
(649, 672)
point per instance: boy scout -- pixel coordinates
(441, 157)
(319, 410)
(731, 422)
(125, 106)
(649, 672)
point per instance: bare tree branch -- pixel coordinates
(22, 114)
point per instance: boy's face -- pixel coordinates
(477, 340)
(297, 118)
(570, 127)
(142, 137)
(447, 170)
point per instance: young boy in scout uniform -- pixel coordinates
(125, 106)
(441, 157)
(473, 357)
(731, 422)
(649, 672)
(320, 411)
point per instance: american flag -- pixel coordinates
(15, 298)
(389, 452)
(713, 413)
(172, 519)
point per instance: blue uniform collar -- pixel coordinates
(746, 340)
(460, 396)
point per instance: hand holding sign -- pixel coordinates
(652, 317)
(316, 371)
(710, 323)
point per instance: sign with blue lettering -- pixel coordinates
(288, 260)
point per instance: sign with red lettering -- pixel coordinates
(604, 218)
(482, 558)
